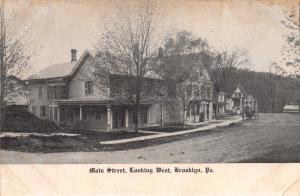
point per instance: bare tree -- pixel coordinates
(275, 71)
(127, 48)
(182, 62)
(13, 60)
(226, 62)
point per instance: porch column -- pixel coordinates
(210, 109)
(241, 105)
(58, 114)
(184, 116)
(126, 117)
(108, 117)
(53, 110)
(205, 114)
(148, 115)
(162, 115)
(80, 112)
(194, 108)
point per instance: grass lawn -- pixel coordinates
(166, 129)
(171, 128)
(87, 141)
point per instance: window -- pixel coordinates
(189, 91)
(193, 109)
(55, 114)
(42, 111)
(208, 92)
(197, 109)
(84, 115)
(239, 95)
(116, 88)
(98, 115)
(202, 89)
(33, 109)
(145, 117)
(50, 92)
(89, 88)
(197, 92)
(40, 92)
(54, 91)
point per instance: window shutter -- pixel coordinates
(49, 93)
(91, 87)
(86, 88)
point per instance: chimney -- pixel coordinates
(73, 55)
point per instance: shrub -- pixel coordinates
(79, 125)
(20, 120)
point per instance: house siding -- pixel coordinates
(160, 109)
(86, 73)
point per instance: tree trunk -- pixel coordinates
(136, 122)
(184, 114)
(137, 104)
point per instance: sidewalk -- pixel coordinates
(222, 123)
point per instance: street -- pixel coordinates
(270, 138)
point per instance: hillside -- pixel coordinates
(272, 92)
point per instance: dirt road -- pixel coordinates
(271, 138)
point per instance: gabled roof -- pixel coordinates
(55, 71)
(61, 70)
(241, 88)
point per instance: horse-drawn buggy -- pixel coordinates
(249, 113)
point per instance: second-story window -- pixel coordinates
(42, 111)
(189, 90)
(33, 109)
(208, 92)
(51, 92)
(40, 92)
(197, 92)
(89, 88)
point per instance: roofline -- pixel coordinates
(79, 63)
(55, 79)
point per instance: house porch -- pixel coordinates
(102, 117)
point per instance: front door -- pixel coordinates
(118, 118)
(115, 119)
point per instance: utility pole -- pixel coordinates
(2, 67)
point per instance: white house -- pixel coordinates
(69, 92)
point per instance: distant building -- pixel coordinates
(219, 101)
(240, 100)
(291, 109)
(16, 92)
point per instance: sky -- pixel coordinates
(52, 28)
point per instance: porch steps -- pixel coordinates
(160, 135)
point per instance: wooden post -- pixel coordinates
(210, 110)
(205, 114)
(126, 118)
(162, 115)
(58, 114)
(109, 120)
(80, 112)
